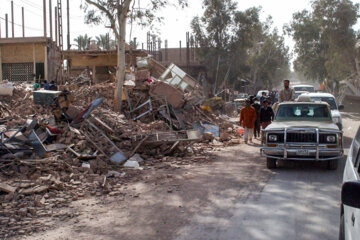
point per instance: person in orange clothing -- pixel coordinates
(248, 117)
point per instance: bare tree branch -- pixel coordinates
(108, 14)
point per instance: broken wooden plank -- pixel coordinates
(102, 124)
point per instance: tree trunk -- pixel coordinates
(357, 64)
(121, 64)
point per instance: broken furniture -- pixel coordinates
(172, 139)
(45, 97)
(102, 142)
(149, 110)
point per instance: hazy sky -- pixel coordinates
(174, 27)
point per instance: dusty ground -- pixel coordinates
(166, 198)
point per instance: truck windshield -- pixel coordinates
(329, 100)
(303, 112)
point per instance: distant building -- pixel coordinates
(101, 63)
(29, 58)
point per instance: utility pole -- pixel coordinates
(68, 25)
(166, 50)
(56, 26)
(6, 26)
(23, 22)
(12, 19)
(50, 16)
(44, 6)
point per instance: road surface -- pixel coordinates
(300, 201)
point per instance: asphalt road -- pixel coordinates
(300, 201)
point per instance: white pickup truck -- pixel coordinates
(302, 131)
(334, 107)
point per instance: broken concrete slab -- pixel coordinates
(132, 164)
(7, 188)
(136, 158)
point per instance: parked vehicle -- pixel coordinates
(241, 97)
(330, 99)
(303, 87)
(298, 93)
(302, 131)
(259, 94)
(350, 194)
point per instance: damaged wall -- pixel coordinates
(97, 61)
(21, 58)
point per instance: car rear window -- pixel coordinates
(303, 112)
(330, 100)
(303, 88)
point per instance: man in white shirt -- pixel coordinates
(287, 94)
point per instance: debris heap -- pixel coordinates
(57, 147)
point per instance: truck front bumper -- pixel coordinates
(318, 154)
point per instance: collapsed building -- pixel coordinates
(60, 146)
(101, 63)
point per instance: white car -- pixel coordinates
(350, 194)
(259, 94)
(298, 93)
(303, 87)
(330, 99)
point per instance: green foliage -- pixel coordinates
(134, 11)
(237, 45)
(82, 42)
(325, 39)
(104, 42)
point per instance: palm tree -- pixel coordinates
(82, 42)
(104, 42)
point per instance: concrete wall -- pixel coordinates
(22, 52)
(54, 65)
(32, 50)
(87, 60)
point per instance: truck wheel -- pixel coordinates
(342, 228)
(332, 164)
(270, 163)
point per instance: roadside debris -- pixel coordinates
(58, 147)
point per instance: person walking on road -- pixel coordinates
(257, 108)
(266, 115)
(262, 98)
(247, 121)
(287, 94)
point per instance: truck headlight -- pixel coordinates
(273, 138)
(336, 120)
(331, 139)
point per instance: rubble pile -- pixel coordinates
(71, 144)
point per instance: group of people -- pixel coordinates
(255, 115)
(52, 86)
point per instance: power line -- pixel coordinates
(16, 24)
(33, 5)
(27, 10)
